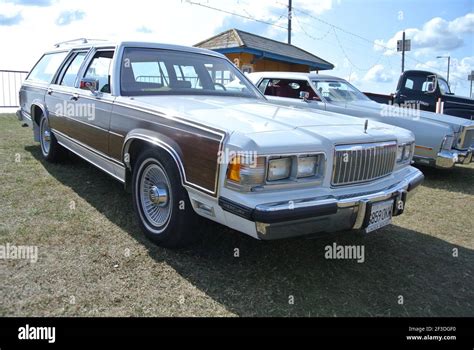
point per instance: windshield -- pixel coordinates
(443, 86)
(338, 91)
(165, 72)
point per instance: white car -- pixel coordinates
(159, 119)
(442, 141)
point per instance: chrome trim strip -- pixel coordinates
(217, 132)
(79, 121)
(114, 133)
(88, 148)
(103, 164)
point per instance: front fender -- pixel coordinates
(159, 140)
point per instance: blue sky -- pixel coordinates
(28, 27)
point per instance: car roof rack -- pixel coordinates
(74, 41)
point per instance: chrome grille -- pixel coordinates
(468, 138)
(363, 162)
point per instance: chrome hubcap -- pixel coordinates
(155, 198)
(158, 195)
(45, 136)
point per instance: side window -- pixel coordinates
(46, 67)
(263, 85)
(99, 69)
(289, 88)
(70, 74)
(150, 72)
(409, 84)
(186, 76)
(444, 87)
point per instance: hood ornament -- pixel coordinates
(366, 125)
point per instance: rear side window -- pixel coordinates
(47, 67)
(70, 75)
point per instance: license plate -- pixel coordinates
(380, 215)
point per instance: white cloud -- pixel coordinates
(436, 34)
(172, 21)
(352, 78)
(378, 74)
(168, 22)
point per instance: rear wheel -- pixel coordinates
(51, 150)
(160, 201)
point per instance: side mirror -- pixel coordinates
(304, 95)
(432, 85)
(89, 84)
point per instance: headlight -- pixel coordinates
(307, 166)
(279, 169)
(405, 152)
(246, 172)
(448, 142)
(400, 150)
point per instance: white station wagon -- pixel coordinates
(188, 134)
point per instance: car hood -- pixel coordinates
(249, 116)
(378, 108)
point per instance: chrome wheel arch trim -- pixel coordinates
(155, 139)
(41, 106)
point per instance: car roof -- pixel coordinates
(293, 75)
(67, 46)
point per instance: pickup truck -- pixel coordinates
(188, 134)
(430, 92)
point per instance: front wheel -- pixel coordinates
(160, 202)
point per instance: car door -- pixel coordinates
(93, 108)
(419, 89)
(60, 94)
(287, 92)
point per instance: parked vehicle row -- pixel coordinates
(188, 134)
(441, 140)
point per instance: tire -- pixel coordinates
(161, 203)
(51, 150)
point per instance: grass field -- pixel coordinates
(94, 261)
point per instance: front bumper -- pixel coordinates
(448, 159)
(321, 214)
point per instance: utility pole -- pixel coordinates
(290, 14)
(449, 63)
(403, 45)
(470, 77)
(403, 52)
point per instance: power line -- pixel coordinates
(372, 42)
(331, 26)
(309, 35)
(235, 14)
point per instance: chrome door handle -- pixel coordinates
(75, 96)
(49, 91)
